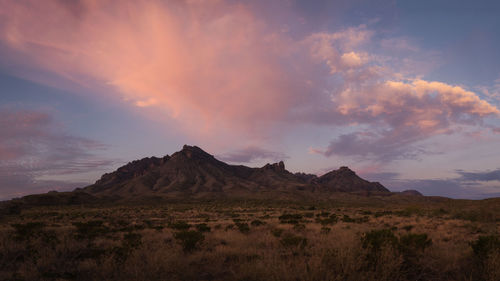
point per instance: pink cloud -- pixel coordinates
(205, 63)
(401, 114)
(223, 72)
(426, 106)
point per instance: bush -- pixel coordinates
(25, 231)
(382, 213)
(257, 223)
(485, 245)
(203, 227)
(348, 219)
(476, 215)
(325, 230)
(180, 225)
(330, 220)
(408, 227)
(243, 227)
(486, 251)
(290, 218)
(410, 244)
(309, 215)
(408, 248)
(409, 211)
(90, 230)
(189, 239)
(132, 240)
(376, 239)
(290, 240)
(323, 214)
(277, 232)
(299, 227)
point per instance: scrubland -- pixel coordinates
(452, 240)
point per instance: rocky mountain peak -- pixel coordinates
(192, 152)
(345, 169)
(192, 171)
(277, 167)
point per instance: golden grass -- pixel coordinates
(103, 251)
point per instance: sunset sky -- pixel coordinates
(403, 92)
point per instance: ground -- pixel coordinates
(257, 240)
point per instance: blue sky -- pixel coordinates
(403, 92)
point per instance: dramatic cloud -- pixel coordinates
(252, 153)
(224, 72)
(405, 114)
(209, 64)
(33, 146)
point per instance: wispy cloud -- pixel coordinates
(34, 146)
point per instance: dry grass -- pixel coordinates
(142, 243)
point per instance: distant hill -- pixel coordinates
(194, 173)
(411, 192)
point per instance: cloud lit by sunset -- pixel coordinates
(320, 87)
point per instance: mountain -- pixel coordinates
(411, 192)
(193, 172)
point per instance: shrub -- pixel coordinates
(180, 225)
(290, 218)
(203, 227)
(408, 227)
(325, 230)
(382, 213)
(486, 251)
(485, 245)
(189, 239)
(309, 215)
(411, 244)
(324, 214)
(476, 215)
(290, 240)
(132, 240)
(330, 220)
(90, 230)
(243, 227)
(376, 239)
(257, 223)
(346, 218)
(277, 232)
(299, 227)
(409, 211)
(25, 231)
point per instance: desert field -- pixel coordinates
(242, 240)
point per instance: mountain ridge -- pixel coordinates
(192, 172)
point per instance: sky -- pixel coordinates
(403, 92)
